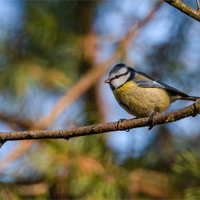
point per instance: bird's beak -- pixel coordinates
(107, 81)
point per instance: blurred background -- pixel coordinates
(54, 57)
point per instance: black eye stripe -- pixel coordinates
(117, 76)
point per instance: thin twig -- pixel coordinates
(184, 8)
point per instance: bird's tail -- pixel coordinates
(190, 98)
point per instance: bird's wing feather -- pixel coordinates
(153, 83)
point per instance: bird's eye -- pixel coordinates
(117, 76)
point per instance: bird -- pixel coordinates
(142, 95)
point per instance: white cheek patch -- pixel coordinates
(118, 82)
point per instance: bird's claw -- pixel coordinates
(151, 120)
(121, 120)
(151, 124)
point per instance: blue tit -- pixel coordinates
(140, 94)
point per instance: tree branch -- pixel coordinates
(191, 110)
(185, 9)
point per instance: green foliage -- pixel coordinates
(192, 193)
(188, 164)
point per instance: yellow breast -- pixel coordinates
(141, 102)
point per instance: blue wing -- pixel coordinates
(153, 83)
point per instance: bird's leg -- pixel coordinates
(151, 119)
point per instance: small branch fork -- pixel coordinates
(191, 110)
(198, 5)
